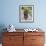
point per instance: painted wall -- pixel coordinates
(10, 13)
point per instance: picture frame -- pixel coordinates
(26, 13)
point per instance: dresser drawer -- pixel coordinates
(8, 45)
(34, 33)
(37, 39)
(13, 44)
(12, 39)
(37, 44)
(13, 33)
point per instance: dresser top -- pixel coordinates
(22, 30)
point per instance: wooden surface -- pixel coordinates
(23, 39)
(34, 39)
(12, 39)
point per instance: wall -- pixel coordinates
(10, 13)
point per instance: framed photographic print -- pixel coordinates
(26, 13)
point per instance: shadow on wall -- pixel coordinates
(2, 26)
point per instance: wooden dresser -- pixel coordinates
(23, 39)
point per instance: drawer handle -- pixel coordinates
(33, 39)
(11, 38)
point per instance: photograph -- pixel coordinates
(26, 13)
